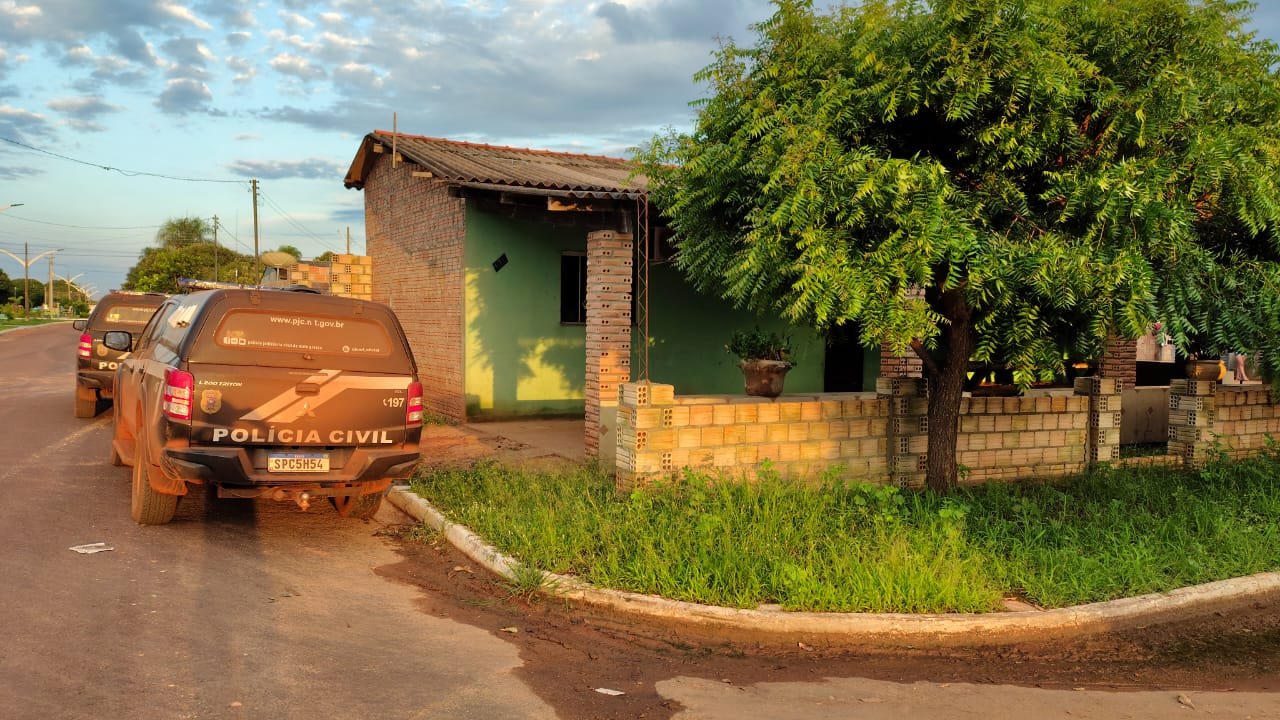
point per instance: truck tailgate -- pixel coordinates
(245, 405)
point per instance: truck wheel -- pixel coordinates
(147, 506)
(86, 402)
(360, 507)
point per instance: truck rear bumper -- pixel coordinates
(232, 466)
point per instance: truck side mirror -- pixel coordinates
(118, 340)
(80, 324)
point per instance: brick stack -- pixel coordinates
(1120, 360)
(610, 260)
(899, 366)
(414, 233)
(1103, 441)
(1005, 438)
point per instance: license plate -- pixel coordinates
(297, 462)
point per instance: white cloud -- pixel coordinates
(184, 95)
(294, 21)
(332, 19)
(244, 69)
(279, 169)
(296, 66)
(184, 13)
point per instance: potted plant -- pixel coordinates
(765, 358)
(1203, 363)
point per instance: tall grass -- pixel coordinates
(858, 547)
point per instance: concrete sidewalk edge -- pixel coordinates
(885, 628)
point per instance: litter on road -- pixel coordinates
(609, 691)
(91, 548)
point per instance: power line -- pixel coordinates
(109, 168)
(297, 225)
(12, 216)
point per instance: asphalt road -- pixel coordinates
(246, 609)
(255, 609)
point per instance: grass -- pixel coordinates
(26, 322)
(849, 547)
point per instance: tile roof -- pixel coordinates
(506, 168)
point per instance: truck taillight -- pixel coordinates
(413, 406)
(178, 386)
(86, 346)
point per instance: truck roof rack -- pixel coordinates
(191, 284)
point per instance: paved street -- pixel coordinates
(253, 609)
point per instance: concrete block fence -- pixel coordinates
(1205, 418)
(877, 436)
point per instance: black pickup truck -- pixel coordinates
(266, 393)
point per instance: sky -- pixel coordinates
(117, 115)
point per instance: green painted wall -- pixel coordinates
(688, 333)
(519, 359)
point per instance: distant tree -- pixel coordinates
(159, 268)
(177, 232)
(37, 291)
(992, 181)
(6, 289)
(291, 250)
(326, 256)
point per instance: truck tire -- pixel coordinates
(147, 506)
(86, 402)
(361, 507)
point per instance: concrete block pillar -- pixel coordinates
(908, 429)
(1192, 412)
(1103, 435)
(610, 261)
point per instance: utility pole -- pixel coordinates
(215, 248)
(49, 300)
(26, 279)
(257, 257)
(348, 239)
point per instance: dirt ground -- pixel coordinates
(569, 651)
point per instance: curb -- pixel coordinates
(871, 628)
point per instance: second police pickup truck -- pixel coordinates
(266, 393)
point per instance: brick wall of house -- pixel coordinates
(415, 234)
(878, 437)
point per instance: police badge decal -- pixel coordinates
(211, 401)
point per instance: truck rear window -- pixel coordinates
(257, 330)
(128, 314)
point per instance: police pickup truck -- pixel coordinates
(96, 363)
(266, 393)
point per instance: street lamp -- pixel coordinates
(70, 283)
(26, 270)
(10, 205)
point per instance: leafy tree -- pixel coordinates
(159, 268)
(995, 181)
(16, 288)
(6, 288)
(326, 256)
(177, 232)
(291, 250)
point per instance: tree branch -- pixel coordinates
(929, 363)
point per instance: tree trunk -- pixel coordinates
(945, 369)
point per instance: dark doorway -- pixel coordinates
(844, 358)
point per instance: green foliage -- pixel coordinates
(18, 286)
(840, 546)
(326, 256)
(6, 288)
(1000, 181)
(757, 344)
(179, 232)
(291, 250)
(182, 253)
